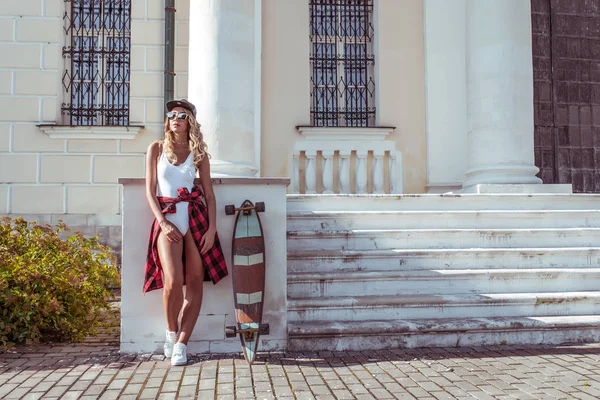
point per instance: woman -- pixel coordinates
(184, 247)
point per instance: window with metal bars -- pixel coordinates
(342, 61)
(96, 77)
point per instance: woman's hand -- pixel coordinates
(207, 241)
(170, 231)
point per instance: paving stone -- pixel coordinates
(96, 370)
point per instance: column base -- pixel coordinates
(517, 189)
(221, 169)
(502, 174)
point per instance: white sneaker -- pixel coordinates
(179, 354)
(170, 340)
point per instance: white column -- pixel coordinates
(499, 93)
(224, 64)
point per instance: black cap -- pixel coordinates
(181, 103)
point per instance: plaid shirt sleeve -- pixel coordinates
(215, 267)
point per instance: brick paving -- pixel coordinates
(94, 369)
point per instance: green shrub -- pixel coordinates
(53, 287)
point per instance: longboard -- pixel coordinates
(248, 276)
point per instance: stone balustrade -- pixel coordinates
(346, 160)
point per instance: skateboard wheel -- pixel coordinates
(264, 329)
(230, 331)
(230, 209)
(260, 206)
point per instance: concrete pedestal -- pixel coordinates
(142, 317)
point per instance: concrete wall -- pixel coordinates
(446, 85)
(286, 82)
(400, 82)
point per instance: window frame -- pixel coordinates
(91, 98)
(340, 113)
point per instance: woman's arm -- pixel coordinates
(168, 228)
(209, 194)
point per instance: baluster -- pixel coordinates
(378, 172)
(295, 173)
(327, 171)
(311, 173)
(392, 163)
(361, 171)
(344, 171)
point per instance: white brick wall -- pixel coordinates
(107, 169)
(65, 169)
(106, 199)
(5, 82)
(17, 168)
(44, 176)
(37, 83)
(5, 138)
(27, 199)
(7, 29)
(93, 146)
(22, 8)
(27, 138)
(17, 56)
(3, 199)
(38, 30)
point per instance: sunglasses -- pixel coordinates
(179, 115)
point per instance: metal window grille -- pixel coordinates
(342, 61)
(98, 44)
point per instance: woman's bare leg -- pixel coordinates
(170, 257)
(194, 278)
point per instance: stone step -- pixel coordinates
(449, 332)
(322, 261)
(419, 282)
(373, 308)
(441, 219)
(372, 239)
(422, 202)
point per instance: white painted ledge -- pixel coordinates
(91, 132)
(345, 133)
(220, 181)
(560, 188)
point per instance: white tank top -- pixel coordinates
(172, 177)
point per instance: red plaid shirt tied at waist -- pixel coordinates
(215, 267)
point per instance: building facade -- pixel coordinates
(366, 96)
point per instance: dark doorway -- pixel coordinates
(566, 69)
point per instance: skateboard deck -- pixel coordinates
(248, 276)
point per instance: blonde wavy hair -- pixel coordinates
(195, 140)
